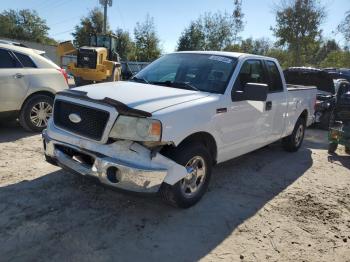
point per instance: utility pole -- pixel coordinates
(105, 4)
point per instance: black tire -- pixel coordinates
(325, 120)
(347, 150)
(114, 76)
(25, 114)
(291, 143)
(332, 147)
(175, 195)
(81, 82)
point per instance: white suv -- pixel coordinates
(28, 84)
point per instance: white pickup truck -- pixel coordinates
(163, 131)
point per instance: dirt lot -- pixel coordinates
(266, 206)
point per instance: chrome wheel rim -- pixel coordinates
(195, 178)
(40, 114)
(299, 135)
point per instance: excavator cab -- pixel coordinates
(107, 41)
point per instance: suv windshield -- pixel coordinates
(200, 72)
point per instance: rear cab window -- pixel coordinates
(275, 83)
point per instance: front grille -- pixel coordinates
(93, 121)
(87, 58)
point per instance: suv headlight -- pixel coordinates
(136, 129)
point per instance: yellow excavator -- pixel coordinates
(98, 62)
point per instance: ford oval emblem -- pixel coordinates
(74, 118)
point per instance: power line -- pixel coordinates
(60, 33)
(65, 20)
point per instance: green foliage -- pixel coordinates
(323, 51)
(238, 24)
(146, 40)
(91, 24)
(24, 25)
(125, 45)
(208, 32)
(298, 28)
(192, 38)
(344, 27)
(340, 59)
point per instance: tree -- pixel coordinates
(337, 59)
(92, 24)
(258, 46)
(344, 27)
(208, 32)
(192, 38)
(238, 24)
(24, 25)
(325, 48)
(125, 45)
(146, 40)
(298, 27)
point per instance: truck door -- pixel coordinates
(13, 82)
(244, 124)
(276, 103)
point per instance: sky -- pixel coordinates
(171, 17)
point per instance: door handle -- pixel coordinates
(268, 105)
(17, 76)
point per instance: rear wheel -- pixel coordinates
(189, 190)
(293, 142)
(36, 112)
(332, 147)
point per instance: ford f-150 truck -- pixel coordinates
(162, 131)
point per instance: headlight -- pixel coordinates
(136, 129)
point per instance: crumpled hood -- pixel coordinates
(149, 98)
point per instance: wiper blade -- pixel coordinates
(139, 79)
(187, 85)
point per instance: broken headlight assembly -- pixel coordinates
(137, 129)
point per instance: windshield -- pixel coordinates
(200, 72)
(103, 41)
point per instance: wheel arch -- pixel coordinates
(304, 115)
(47, 93)
(204, 138)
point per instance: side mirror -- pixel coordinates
(251, 91)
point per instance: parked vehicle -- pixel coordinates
(165, 129)
(339, 132)
(324, 82)
(98, 62)
(28, 83)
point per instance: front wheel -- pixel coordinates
(189, 190)
(293, 142)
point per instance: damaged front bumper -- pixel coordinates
(123, 164)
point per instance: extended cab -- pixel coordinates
(165, 129)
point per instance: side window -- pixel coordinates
(275, 84)
(6, 60)
(25, 60)
(252, 71)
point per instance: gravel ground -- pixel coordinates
(268, 205)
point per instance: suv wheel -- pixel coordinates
(36, 112)
(189, 190)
